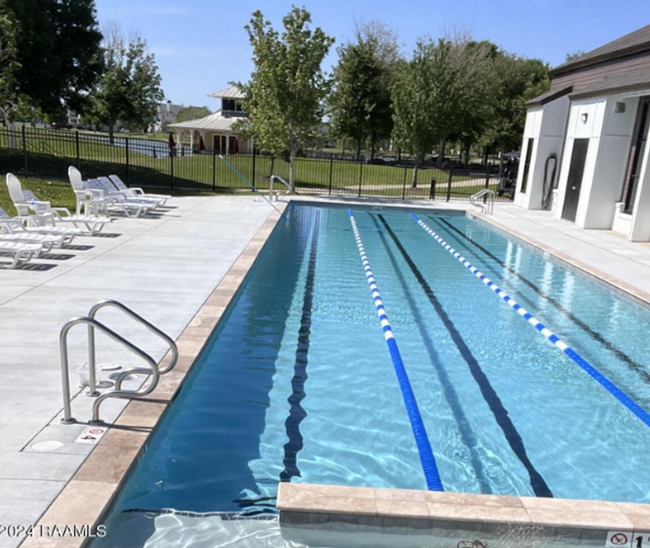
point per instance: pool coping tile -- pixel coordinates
(87, 496)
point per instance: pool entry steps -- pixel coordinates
(153, 371)
(424, 447)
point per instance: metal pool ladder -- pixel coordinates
(280, 179)
(154, 371)
(488, 204)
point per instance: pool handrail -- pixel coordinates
(488, 196)
(153, 371)
(277, 178)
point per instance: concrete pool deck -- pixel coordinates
(178, 271)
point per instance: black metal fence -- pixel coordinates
(45, 153)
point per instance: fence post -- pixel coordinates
(406, 169)
(128, 172)
(171, 161)
(24, 149)
(432, 190)
(253, 177)
(360, 175)
(487, 184)
(449, 183)
(78, 154)
(214, 169)
(331, 170)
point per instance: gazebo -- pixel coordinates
(215, 132)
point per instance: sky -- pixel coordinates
(200, 47)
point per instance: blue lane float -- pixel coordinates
(601, 379)
(427, 458)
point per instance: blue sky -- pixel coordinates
(201, 46)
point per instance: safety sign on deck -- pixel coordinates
(91, 435)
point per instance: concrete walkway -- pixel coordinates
(163, 268)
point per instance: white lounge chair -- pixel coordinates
(26, 225)
(117, 202)
(44, 214)
(89, 201)
(46, 241)
(137, 192)
(20, 253)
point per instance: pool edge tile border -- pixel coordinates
(302, 505)
(100, 476)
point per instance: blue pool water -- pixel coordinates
(297, 384)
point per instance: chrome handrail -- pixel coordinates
(277, 177)
(118, 392)
(489, 194)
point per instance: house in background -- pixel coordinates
(165, 115)
(584, 153)
(215, 131)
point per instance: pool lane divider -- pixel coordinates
(427, 458)
(499, 411)
(601, 379)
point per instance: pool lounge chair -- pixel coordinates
(137, 192)
(45, 215)
(26, 225)
(89, 201)
(117, 202)
(20, 253)
(46, 241)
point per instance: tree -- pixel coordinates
(57, 50)
(130, 89)
(361, 103)
(414, 100)
(514, 81)
(192, 113)
(8, 65)
(284, 97)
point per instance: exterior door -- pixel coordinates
(574, 181)
(636, 155)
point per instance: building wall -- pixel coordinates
(546, 125)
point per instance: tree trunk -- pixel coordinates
(414, 179)
(271, 166)
(358, 149)
(111, 133)
(292, 162)
(441, 153)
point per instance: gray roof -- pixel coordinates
(216, 121)
(634, 42)
(233, 92)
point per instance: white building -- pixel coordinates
(584, 153)
(216, 130)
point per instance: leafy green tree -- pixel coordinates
(361, 103)
(284, 97)
(8, 65)
(57, 49)
(415, 97)
(192, 113)
(514, 81)
(130, 90)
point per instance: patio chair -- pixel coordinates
(46, 241)
(20, 253)
(117, 203)
(137, 192)
(89, 201)
(26, 225)
(111, 191)
(45, 215)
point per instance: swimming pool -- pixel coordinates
(297, 384)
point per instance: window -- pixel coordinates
(637, 153)
(527, 159)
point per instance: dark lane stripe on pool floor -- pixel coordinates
(495, 404)
(296, 412)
